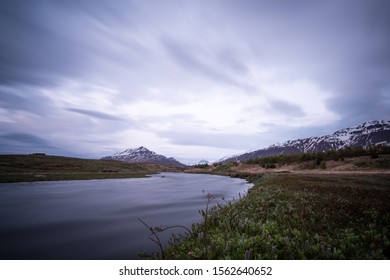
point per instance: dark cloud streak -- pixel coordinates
(16, 143)
(24, 138)
(95, 114)
(205, 63)
(286, 108)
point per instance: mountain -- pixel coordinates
(367, 134)
(201, 162)
(142, 154)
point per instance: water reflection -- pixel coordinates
(97, 219)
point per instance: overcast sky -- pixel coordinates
(189, 79)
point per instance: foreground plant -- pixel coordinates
(295, 217)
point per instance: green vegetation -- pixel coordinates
(375, 164)
(205, 165)
(291, 216)
(314, 160)
(28, 168)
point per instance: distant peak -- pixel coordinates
(142, 154)
(141, 148)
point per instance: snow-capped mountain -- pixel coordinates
(142, 154)
(201, 162)
(364, 135)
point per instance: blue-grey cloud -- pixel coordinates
(31, 52)
(207, 139)
(95, 114)
(206, 63)
(24, 138)
(286, 108)
(184, 48)
(230, 59)
(19, 142)
(25, 99)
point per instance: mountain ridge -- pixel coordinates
(371, 133)
(142, 154)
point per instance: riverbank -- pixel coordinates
(31, 168)
(296, 216)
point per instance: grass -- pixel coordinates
(28, 168)
(316, 158)
(291, 216)
(381, 163)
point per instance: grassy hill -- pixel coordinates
(28, 168)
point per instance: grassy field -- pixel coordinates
(296, 216)
(28, 168)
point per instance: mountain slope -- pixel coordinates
(364, 135)
(142, 154)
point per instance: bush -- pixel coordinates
(270, 165)
(201, 165)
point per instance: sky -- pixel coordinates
(188, 79)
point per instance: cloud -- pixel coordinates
(286, 108)
(210, 64)
(23, 138)
(24, 98)
(26, 57)
(210, 139)
(95, 114)
(92, 76)
(16, 143)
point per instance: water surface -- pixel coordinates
(97, 219)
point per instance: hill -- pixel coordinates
(18, 168)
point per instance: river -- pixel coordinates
(98, 219)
